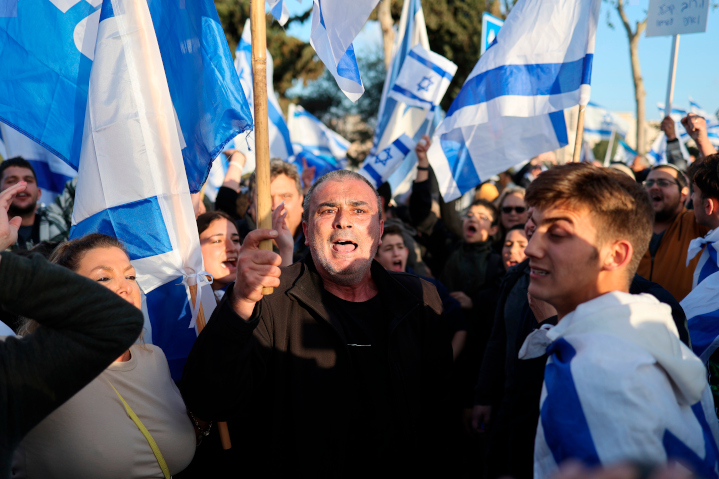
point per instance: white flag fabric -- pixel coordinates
(624, 153)
(424, 78)
(378, 168)
(657, 154)
(335, 24)
(600, 122)
(278, 8)
(131, 179)
(510, 108)
(309, 134)
(279, 135)
(52, 173)
(620, 386)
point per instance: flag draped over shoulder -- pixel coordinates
(511, 106)
(279, 135)
(335, 24)
(44, 79)
(52, 173)
(702, 304)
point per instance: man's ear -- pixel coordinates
(711, 206)
(381, 231)
(304, 231)
(684, 192)
(493, 230)
(39, 193)
(619, 255)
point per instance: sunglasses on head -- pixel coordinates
(516, 209)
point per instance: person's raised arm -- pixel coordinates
(83, 328)
(420, 201)
(674, 151)
(696, 127)
(233, 177)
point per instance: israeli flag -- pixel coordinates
(657, 154)
(3, 150)
(424, 78)
(599, 123)
(378, 168)
(280, 143)
(335, 24)
(45, 76)
(278, 8)
(132, 182)
(624, 153)
(510, 109)
(620, 386)
(311, 135)
(52, 173)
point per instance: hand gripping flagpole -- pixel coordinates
(200, 323)
(262, 141)
(580, 134)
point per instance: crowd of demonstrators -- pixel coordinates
(539, 324)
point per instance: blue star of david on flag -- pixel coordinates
(424, 84)
(387, 157)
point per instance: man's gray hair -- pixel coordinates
(338, 175)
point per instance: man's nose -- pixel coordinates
(342, 219)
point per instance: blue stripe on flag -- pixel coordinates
(409, 94)
(460, 162)
(48, 179)
(279, 122)
(524, 80)
(170, 315)
(430, 65)
(710, 267)
(560, 126)
(401, 146)
(374, 174)
(703, 330)
(106, 11)
(565, 427)
(124, 221)
(598, 132)
(347, 66)
(677, 450)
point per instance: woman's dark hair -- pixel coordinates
(70, 254)
(205, 220)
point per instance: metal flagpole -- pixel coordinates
(672, 75)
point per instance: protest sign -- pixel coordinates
(676, 17)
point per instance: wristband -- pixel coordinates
(237, 164)
(423, 168)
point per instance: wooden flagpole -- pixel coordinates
(262, 140)
(201, 323)
(580, 134)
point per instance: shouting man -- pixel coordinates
(342, 370)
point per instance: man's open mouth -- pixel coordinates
(230, 263)
(344, 246)
(22, 195)
(471, 229)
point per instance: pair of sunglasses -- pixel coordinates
(516, 209)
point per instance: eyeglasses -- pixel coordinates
(517, 209)
(480, 217)
(661, 183)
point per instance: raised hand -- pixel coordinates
(285, 242)
(9, 227)
(256, 269)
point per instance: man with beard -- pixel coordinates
(37, 225)
(665, 262)
(342, 370)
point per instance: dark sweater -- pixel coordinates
(84, 327)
